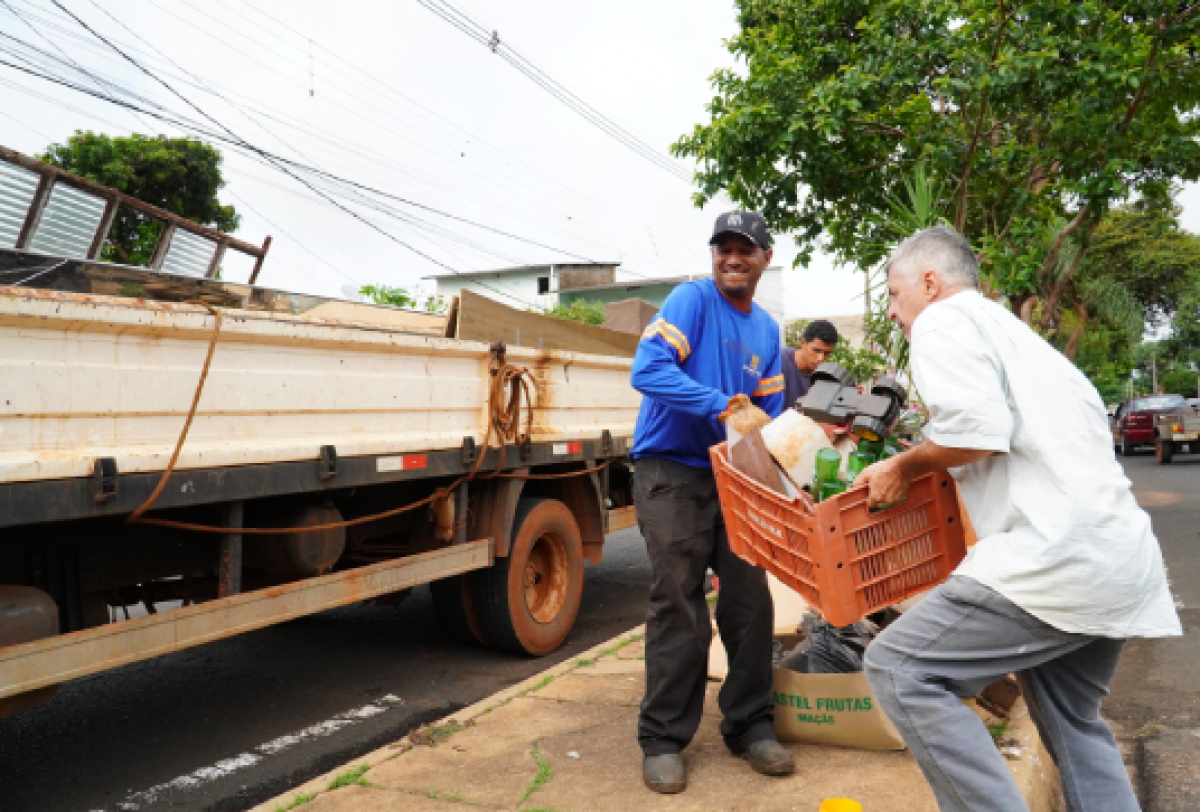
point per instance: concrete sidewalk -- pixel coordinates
(565, 741)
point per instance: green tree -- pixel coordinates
(181, 175)
(1179, 382)
(385, 295)
(1143, 247)
(1035, 117)
(1105, 356)
(584, 311)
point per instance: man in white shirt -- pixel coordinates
(1066, 567)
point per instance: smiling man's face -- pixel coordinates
(738, 264)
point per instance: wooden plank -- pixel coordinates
(450, 329)
(750, 456)
(482, 319)
(214, 265)
(261, 256)
(103, 227)
(162, 246)
(37, 206)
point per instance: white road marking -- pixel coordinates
(227, 766)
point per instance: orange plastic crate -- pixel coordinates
(846, 561)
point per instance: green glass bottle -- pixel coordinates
(857, 462)
(825, 477)
(874, 448)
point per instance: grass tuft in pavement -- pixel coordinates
(352, 776)
(454, 796)
(299, 800)
(544, 774)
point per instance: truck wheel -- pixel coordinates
(527, 602)
(1164, 450)
(454, 605)
(1126, 447)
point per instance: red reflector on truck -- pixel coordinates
(407, 462)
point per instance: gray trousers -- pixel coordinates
(680, 518)
(957, 641)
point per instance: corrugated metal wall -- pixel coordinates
(69, 222)
(17, 186)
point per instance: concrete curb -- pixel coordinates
(320, 784)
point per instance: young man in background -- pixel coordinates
(818, 341)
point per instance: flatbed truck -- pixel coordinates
(334, 452)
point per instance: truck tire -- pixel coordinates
(454, 605)
(1126, 447)
(528, 601)
(1164, 450)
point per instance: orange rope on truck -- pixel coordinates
(504, 421)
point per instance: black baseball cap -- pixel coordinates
(749, 224)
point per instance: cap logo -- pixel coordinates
(734, 220)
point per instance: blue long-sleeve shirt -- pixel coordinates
(698, 353)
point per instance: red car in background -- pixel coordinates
(1133, 422)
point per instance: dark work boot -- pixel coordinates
(769, 757)
(665, 773)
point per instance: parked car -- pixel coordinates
(1176, 432)
(1133, 423)
(1195, 404)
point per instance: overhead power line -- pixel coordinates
(273, 160)
(275, 163)
(491, 40)
(379, 161)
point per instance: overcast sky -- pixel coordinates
(391, 96)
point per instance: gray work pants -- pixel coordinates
(957, 641)
(680, 518)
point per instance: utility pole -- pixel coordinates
(1153, 373)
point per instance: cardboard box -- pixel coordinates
(831, 709)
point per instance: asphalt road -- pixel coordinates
(230, 724)
(1156, 696)
(224, 726)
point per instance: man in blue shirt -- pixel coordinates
(709, 343)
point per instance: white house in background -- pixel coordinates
(544, 286)
(528, 286)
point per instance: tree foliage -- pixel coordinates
(1180, 382)
(387, 295)
(400, 297)
(1106, 356)
(1143, 247)
(584, 311)
(181, 175)
(1035, 117)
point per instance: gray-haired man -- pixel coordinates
(1066, 567)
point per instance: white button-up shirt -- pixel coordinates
(1060, 534)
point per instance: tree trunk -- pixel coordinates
(1072, 347)
(1024, 307)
